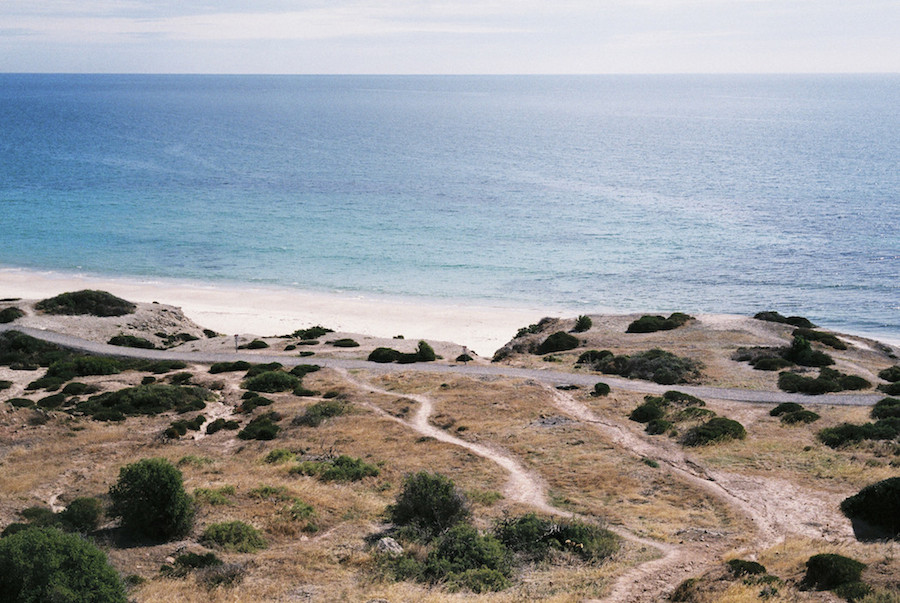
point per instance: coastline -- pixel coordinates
(232, 308)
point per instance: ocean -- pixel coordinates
(719, 193)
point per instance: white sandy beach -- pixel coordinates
(273, 311)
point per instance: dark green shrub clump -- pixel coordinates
(652, 408)
(150, 498)
(301, 370)
(655, 365)
(891, 389)
(829, 380)
(784, 408)
(341, 469)
(189, 562)
(271, 382)
(44, 564)
(891, 374)
(229, 367)
(23, 352)
(800, 416)
(94, 303)
(886, 408)
(79, 389)
(877, 504)
(263, 427)
(131, 341)
(159, 367)
(714, 431)
(10, 314)
(234, 537)
(741, 567)
(316, 414)
(582, 323)
(825, 338)
(800, 352)
(462, 549)
(651, 323)
(533, 537)
(828, 571)
(82, 515)
(149, 399)
(256, 344)
(220, 424)
(558, 342)
(796, 321)
(600, 389)
(259, 369)
(849, 433)
(346, 342)
(311, 333)
(429, 503)
(594, 356)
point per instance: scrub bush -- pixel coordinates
(593, 356)
(429, 503)
(891, 374)
(220, 424)
(718, 429)
(462, 549)
(259, 369)
(316, 414)
(658, 426)
(891, 389)
(10, 314)
(82, 515)
(44, 564)
(886, 408)
(234, 537)
(94, 303)
(651, 323)
(825, 338)
(344, 343)
(653, 408)
(256, 344)
(150, 498)
(796, 321)
(271, 382)
(600, 389)
(311, 333)
(655, 365)
(131, 341)
(558, 342)
(301, 370)
(877, 504)
(229, 367)
(800, 416)
(784, 408)
(849, 433)
(582, 323)
(740, 567)
(425, 353)
(828, 571)
(341, 469)
(263, 427)
(149, 399)
(79, 389)
(800, 352)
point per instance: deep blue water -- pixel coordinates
(693, 193)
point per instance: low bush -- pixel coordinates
(4, 384)
(256, 344)
(582, 323)
(250, 403)
(341, 469)
(229, 367)
(234, 537)
(181, 378)
(600, 389)
(94, 303)
(891, 389)
(658, 426)
(149, 497)
(279, 455)
(653, 408)
(23, 352)
(271, 382)
(429, 503)
(131, 341)
(259, 369)
(20, 402)
(10, 314)
(800, 416)
(311, 333)
(558, 342)
(828, 571)
(45, 564)
(189, 562)
(263, 427)
(886, 408)
(741, 567)
(651, 323)
(824, 338)
(159, 367)
(676, 397)
(828, 381)
(771, 363)
(877, 504)
(346, 342)
(848, 433)
(214, 496)
(82, 514)
(800, 352)
(784, 408)
(481, 580)
(301, 370)
(220, 424)
(52, 401)
(718, 429)
(270, 493)
(144, 400)
(316, 414)
(425, 353)
(594, 356)
(854, 591)
(891, 374)
(796, 321)
(79, 389)
(462, 549)
(655, 365)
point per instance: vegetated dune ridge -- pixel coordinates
(772, 496)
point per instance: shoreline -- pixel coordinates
(270, 310)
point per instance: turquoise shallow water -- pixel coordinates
(631, 193)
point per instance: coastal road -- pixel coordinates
(547, 376)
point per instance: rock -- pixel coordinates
(389, 546)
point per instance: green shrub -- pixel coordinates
(311, 333)
(800, 416)
(652, 323)
(794, 383)
(583, 323)
(131, 341)
(741, 567)
(256, 344)
(853, 591)
(82, 515)
(271, 381)
(796, 321)
(891, 389)
(655, 365)
(827, 571)
(848, 433)
(784, 408)
(800, 352)
(316, 414)
(825, 338)
(270, 493)
(79, 389)
(189, 562)
(250, 403)
(229, 367)
(877, 504)
(51, 402)
(593, 356)
(158, 367)
(714, 431)
(341, 469)
(279, 455)
(40, 516)
(24, 352)
(4, 384)
(259, 369)
(533, 537)
(150, 499)
(481, 580)
(94, 303)
(600, 389)
(461, 549)
(425, 353)
(144, 400)
(886, 408)
(20, 402)
(263, 427)
(771, 363)
(234, 537)
(214, 496)
(10, 314)
(301, 370)
(181, 378)
(677, 397)
(558, 342)
(429, 503)
(653, 408)
(891, 374)
(346, 342)
(45, 565)
(658, 426)
(220, 424)
(83, 366)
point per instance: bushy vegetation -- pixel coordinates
(345, 342)
(94, 303)
(149, 496)
(717, 429)
(301, 370)
(582, 323)
(558, 342)
(891, 374)
(229, 367)
(10, 314)
(180, 427)
(600, 389)
(741, 567)
(76, 388)
(801, 352)
(533, 538)
(424, 353)
(256, 344)
(651, 323)
(891, 389)
(20, 351)
(131, 341)
(825, 338)
(800, 416)
(311, 333)
(877, 504)
(594, 356)
(214, 496)
(46, 565)
(886, 408)
(271, 382)
(82, 515)
(234, 537)
(828, 381)
(655, 365)
(263, 427)
(340, 469)
(428, 503)
(220, 424)
(784, 408)
(463, 550)
(159, 367)
(279, 455)
(828, 571)
(316, 414)
(796, 321)
(190, 562)
(848, 433)
(534, 328)
(149, 399)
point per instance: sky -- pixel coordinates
(450, 36)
